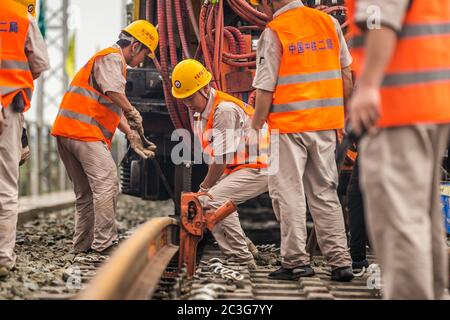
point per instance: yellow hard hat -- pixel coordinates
(30, 4)
(144, 32)
(188, 77)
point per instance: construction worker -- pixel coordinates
(94, 106)
(221, 122)
(302, 79)
(402, 101)
(23, 57)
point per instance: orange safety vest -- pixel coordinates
(243, 158)
(309, 95)
(15, 73)
(85, 113)
(416, 86)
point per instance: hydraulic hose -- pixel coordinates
(174, 60)
(239, 37)
(231, 41)
(174, 116)
(181, 31)
(206, 55)
(192, 18)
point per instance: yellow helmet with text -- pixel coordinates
(145, 33)
(188, 77)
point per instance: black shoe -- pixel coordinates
(358, 265)
(344, 274)
(292, 274)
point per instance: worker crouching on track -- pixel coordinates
(94, 106)
(221, 123)
(302, 73)
(403, 102)
(23, 57)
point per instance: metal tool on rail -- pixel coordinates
(195, 219)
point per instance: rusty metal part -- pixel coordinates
(134, 270)
(194, 221)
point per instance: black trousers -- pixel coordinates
(357, 223)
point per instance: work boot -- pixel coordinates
(343, 274)
(292, 274)
(4, 272)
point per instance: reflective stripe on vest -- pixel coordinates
(242, 159)
(85, 119)
(15, 73)
(308, 104)
(310, 77)
(95, 96)
(83, 107)
(6, 90)
(410, 31)
(309, 94)
(415, 89)
(418, 77)
(14, 65)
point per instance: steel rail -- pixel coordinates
(134, 270)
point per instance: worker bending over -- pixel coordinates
(93, 107)
(302, 79)
(221, 123)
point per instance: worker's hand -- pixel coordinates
(138, 147)
(134, 119)
(2, 119)
(364, 109)
(148, 144)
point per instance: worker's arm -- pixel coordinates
(36, 50)
(215, 171)
(121, 100)
(268, 56)
(263, 103)
(364, 106)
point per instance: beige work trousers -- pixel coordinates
(10, 151)
(400, 175)
(308, 174)
(93, 172)
(238, 187)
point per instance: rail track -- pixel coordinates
(145, 267)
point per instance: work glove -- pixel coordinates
(148, 145)
(2, 119)
(134, 119)
(138, 146)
